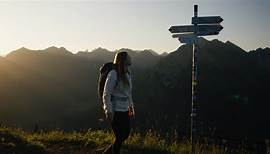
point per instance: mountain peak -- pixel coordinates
(100, 49)
(263, 51)
(55, 50)
(124, 50)
(19, 51)
(230, 44)
(164, 54)
(146, 53)
(151, 51)
(23, 48)
(98, 53)
(51, 48)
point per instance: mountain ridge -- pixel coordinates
(55, 49)
(231, 81)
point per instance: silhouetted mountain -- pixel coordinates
(60, 51)
(232, 95)
(98, 54)
(164, 54)
(262, 58)
(232, 91)
(152, 52)
(51, 80)
(141, 59)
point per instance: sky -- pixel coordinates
(81, 25)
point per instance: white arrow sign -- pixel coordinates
(181, 29)
(198, 34)
(205, 33)
(188, 38)
(190, 28)
(207, 20)
(186, 35)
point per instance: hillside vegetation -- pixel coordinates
(15, 140)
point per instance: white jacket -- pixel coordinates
(116, 95)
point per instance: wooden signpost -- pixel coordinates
(201, 26)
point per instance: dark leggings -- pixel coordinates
(121, 129)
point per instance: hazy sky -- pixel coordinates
(136, 24)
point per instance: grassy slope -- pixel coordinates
(92, 142)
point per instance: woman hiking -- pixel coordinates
(117, 100)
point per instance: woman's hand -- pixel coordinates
(131, 111)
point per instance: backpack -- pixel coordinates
(103, 72)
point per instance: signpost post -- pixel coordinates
(194, 84)
(202, 26)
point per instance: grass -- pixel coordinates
(15, 140)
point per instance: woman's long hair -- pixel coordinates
(120, 60)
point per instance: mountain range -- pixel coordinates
(54, 88)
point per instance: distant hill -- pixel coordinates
(262, 57)
(54, 80)
(164, 54)
(141, 59)
(233, 89)
(98, 54)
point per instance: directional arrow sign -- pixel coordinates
(189, 40)
(209, 28)
(181, 29)
(207, 20)
(187, 35)
(190, 28)
(206, 33)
